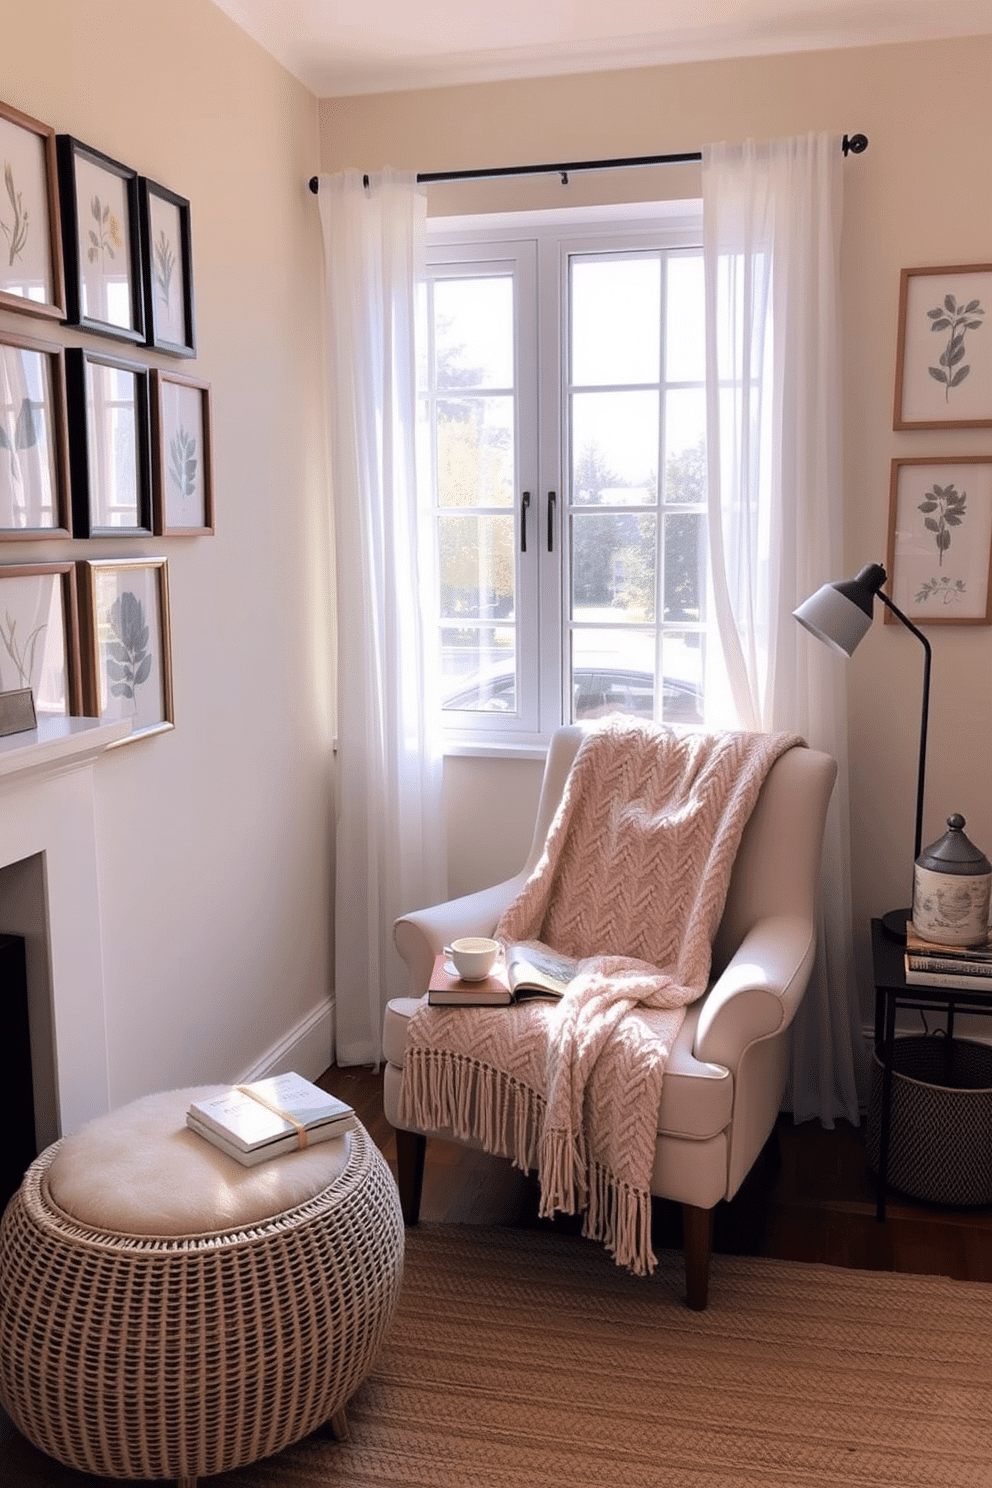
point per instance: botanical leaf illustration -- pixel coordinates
(128, 660)
(946, 591)
(183, 462)
(943, 507)
(15, 232)
(22, 655)
(956, 319)
(106, 236)
(165, 263)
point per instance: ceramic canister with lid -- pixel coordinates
(952, 884)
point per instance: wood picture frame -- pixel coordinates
(167, 269)
(102, 241)
(940, 539)
(39, 637)
(944, 353)
(34, 441)
(182, 455)
(32, 277)
(109, 444)
(127, 646)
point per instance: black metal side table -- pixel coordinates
(892, 991)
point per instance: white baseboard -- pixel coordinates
(308, 1048)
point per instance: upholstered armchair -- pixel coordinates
(727, 1071)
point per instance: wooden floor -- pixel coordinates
(810, 1198)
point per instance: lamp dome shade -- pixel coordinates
(840, 614)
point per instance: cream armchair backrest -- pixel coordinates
(727, 1071)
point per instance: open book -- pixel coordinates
(526, 971)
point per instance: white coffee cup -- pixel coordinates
(473, 956)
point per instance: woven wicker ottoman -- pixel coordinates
(168, 1313)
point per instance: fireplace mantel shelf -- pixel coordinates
(57, 744)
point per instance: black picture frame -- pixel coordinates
(167, 269)
(109, 444)
(101, 235)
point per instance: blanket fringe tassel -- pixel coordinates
(444, 1091)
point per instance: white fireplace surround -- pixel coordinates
(50, 894)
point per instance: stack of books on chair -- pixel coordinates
(930, 964)
(285, 1113)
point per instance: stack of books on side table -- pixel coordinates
(285, 1113)
(967, 967)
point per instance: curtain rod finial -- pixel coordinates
(314, 184)
(854, 144)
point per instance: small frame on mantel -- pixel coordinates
(182, 455)
(109, 444)
(39, 641)
(102, 240)
(31, 267)
(127, 650)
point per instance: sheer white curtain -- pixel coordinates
(771, 233)
(389, 755)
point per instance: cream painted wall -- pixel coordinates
(920, 195)
(214, 857)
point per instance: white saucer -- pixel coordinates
(453, 971)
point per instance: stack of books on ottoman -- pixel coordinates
(966, 967)
(285, 1113)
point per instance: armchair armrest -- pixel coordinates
(759, 990)
(419, 936)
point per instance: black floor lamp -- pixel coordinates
(840, 615)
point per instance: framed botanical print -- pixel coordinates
(940, 539)
(127, 652)
(34, 455)
(944, 357)
(102, 239)
(39, 645)
(108, 444)
(31, 274)
(167, 269)
(182, 455)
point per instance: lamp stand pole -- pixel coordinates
(895, 921)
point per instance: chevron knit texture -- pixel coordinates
(632, 881)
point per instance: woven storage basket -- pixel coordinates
(940, 1133)
(138, 1357)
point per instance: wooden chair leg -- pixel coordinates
(697, 1226)
(411, 1148)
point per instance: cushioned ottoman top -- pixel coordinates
(141, 1171)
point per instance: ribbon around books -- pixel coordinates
(301, 1131)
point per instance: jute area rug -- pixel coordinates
(526, 1359)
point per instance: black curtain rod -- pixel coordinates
(852, 144)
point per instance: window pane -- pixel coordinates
(613, 566)
(614, 448)
(473, 333)
(475, 451)
(476, 567)
(683, 655)
(685, 566)
(478, 672)
(616, 319)
(612, 672)
(685, 446)
(685, 343)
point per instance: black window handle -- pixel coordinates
(552, 503)
(524, 507)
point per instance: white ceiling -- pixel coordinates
(339, 47)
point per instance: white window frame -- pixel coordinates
(542, 243)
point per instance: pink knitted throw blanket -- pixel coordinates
(632, 881)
